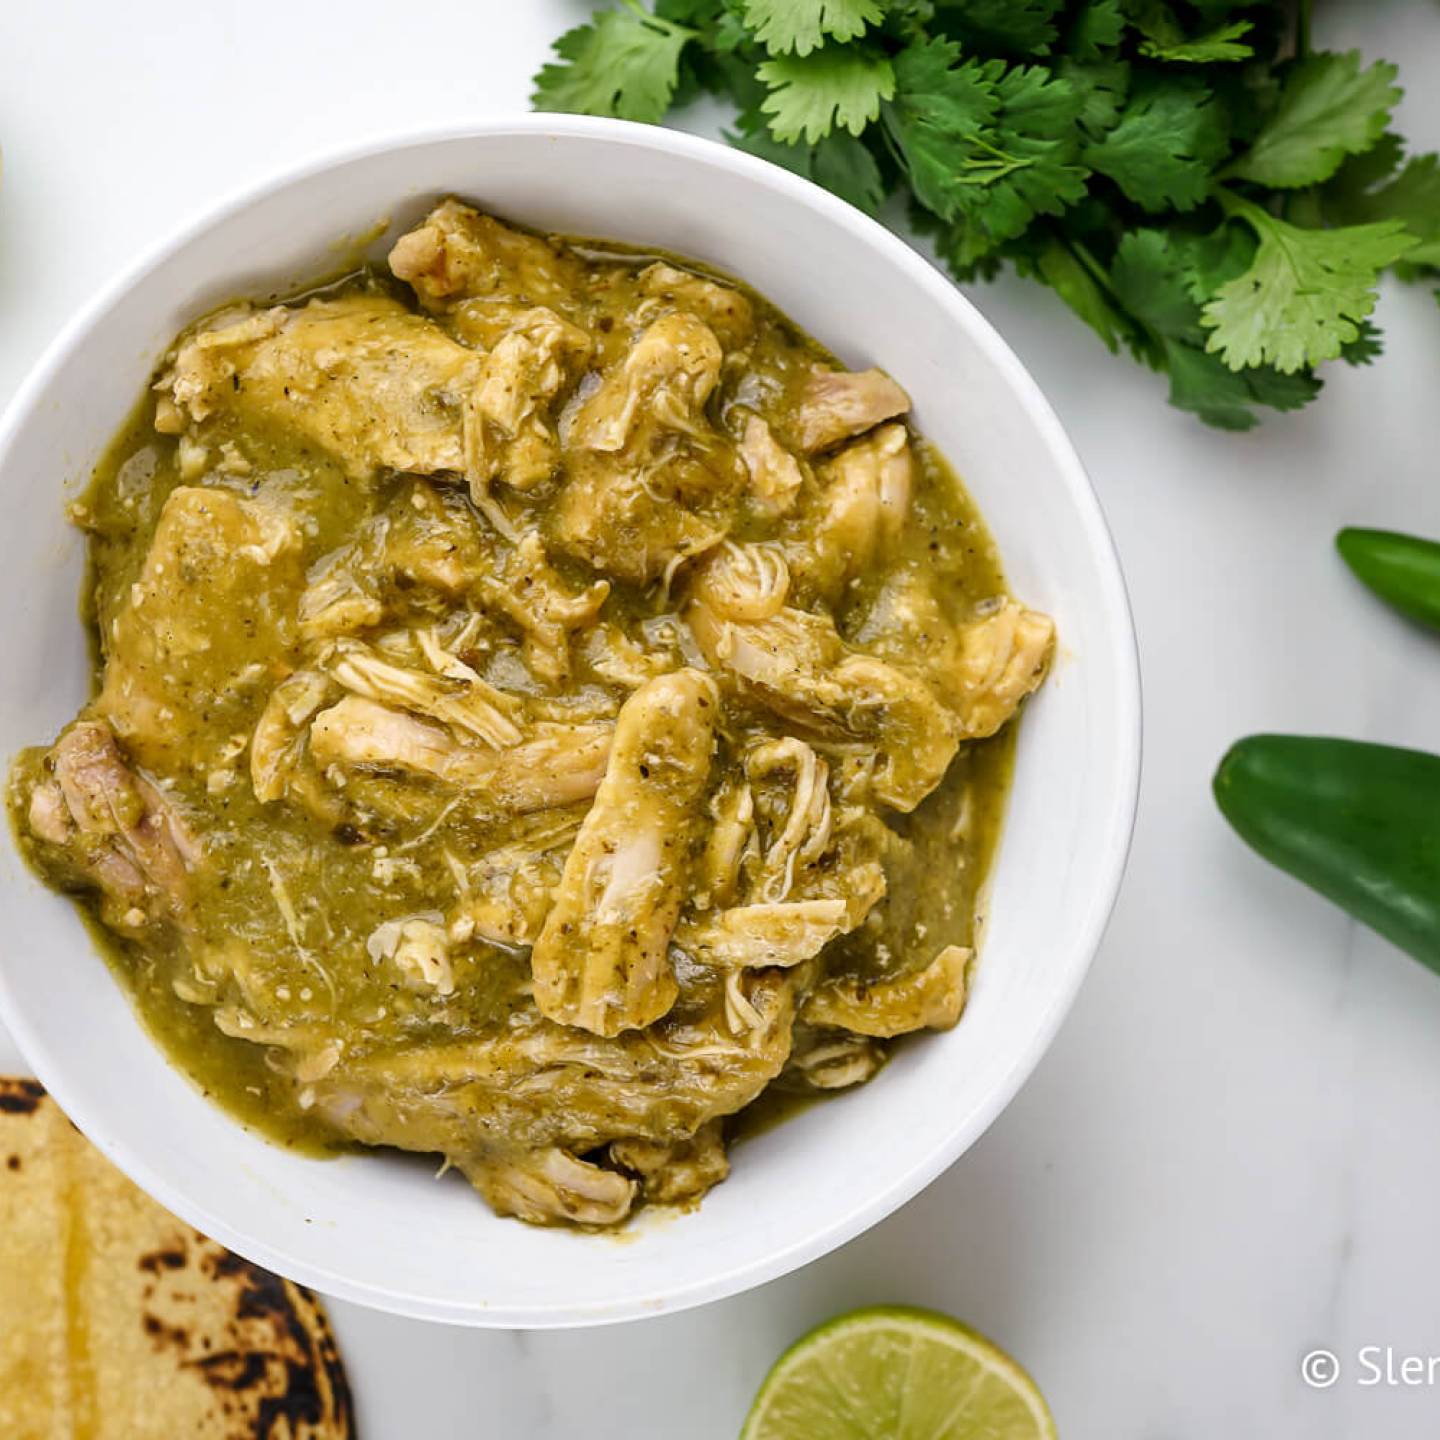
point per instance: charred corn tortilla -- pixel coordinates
(117, 1320)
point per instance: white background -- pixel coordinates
(1230, 1155)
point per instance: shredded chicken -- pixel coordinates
(549, 1187)
(826, 1060)
(278, 744)
(857, 515)
(601, 962)
(676, 1171)
(467, 705)
(1002, 659)
(651, 477)
(742, 582)
(769, 933)
(513, 438)
(419, 947)
(775, 474)
(556, 765)
(118, 833)
(371, 383)
(725, 310)
(530, 593)
(795, 664)
(928, 999)
(840, 403)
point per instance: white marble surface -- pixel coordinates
(1229, 1156)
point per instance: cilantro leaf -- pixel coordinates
(1203, 385)
(844, 165)
(811, 95)
(801, 26)
(1170, 136)
(1365, 171)
(1097, 27)
(1306, 291)
(1365, 347)
(1102, 86)
(1412, 197)
(1329, 108)
(841, 163)
(1151, 277)
(1013, 27)
(1163, 38)
(985, 144)
(624, 63)
(691, 12)
(1219, 44)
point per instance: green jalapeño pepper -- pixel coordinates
(1360, 823)
(1401, 569)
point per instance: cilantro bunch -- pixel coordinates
(1194, 181)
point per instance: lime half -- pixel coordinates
(892, 1373)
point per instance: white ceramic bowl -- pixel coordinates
(379, 1230)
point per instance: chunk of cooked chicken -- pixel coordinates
(427, 547)
(513, 438)
(803, 835)
(804, 884)
(1002, 659)
(166, 681)
(602, 960)
(541, 1084)
(551, 1187)
(429, 537)
(775, 474)
(798, 667)
(527, 589)
(982, 669)
(928, 999)
(419, 948)
(729, 842)
(664, 382)
(341, 597)
(507, 893)
(279, 742)
(107, 828)
(471, 709)
(825, 1060)
(372, 384)
(423, 549)
(766, 933)
(651, 480)
(742, 582)
(837, 404)
(555, 765)
(676, 1171)
(856, 516)
(724, 309)
(456, 254)
(618, 659)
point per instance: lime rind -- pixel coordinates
(892, 1372)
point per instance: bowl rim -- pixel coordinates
(1115, 830)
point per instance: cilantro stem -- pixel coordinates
(1091, 265)
(1302, 28)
